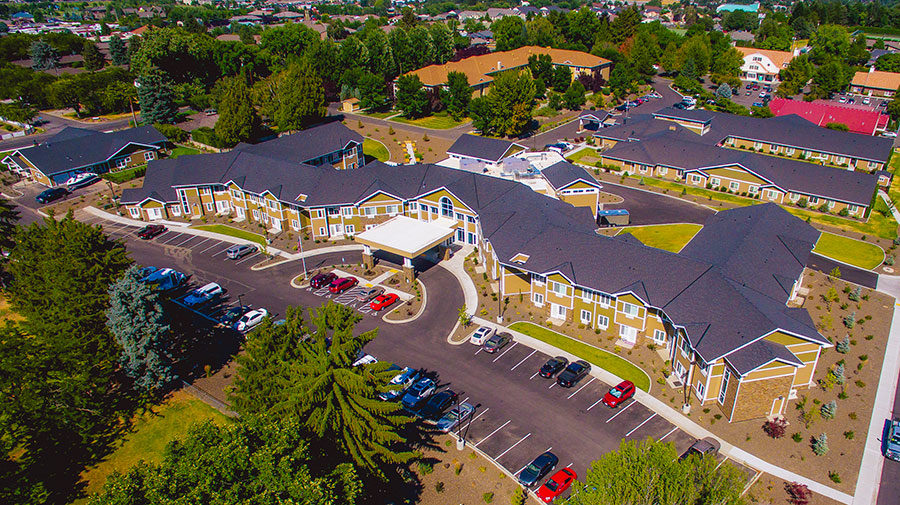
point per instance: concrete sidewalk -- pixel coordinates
(456, 266)
(678, 419)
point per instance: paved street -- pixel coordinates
(645, 207)
(519, 415)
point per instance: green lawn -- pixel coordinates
(181, 151)
(375, 149)
(593, 355)
(234, 232)
(149, 436)
(670, 237)
(437, 121)
(379, 115)
(848, 250)
(579, 155)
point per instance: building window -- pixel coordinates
(771, 194)
(434, 210)
(392, 209)
(347, 211)
(794, 197)
(321, 231)
(716, 182)
(273, 204)
(295, 224)
(471, 238)
(333, 211)
(538, 299)
(753, 190)
(734, 186)
(586, 316)
(253, 199)
(135, 212)
(121, 162)
(630, 309)
(176, 210)
(604, 300)
(369, 211)
(413, 206)
(725, 377)
(446, 207)
(460, 217)
(602, 322)
(559, 288)
(814, 200)
(628, 333)
(236, 194)
(662, 170)
(757, 145)
(349, 229)
(255, 214)
(586, 295)
(839, 160)
(538, 280)
(205, 191)
(789, 151)
(852, 208)
(149, 155)
(317, 213)
(685, 346)
(659, 336)
(470, 219)
(209, 207)
(701, 388)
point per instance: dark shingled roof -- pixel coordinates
(638, 126)
(791, 130)
(306, 145)
(476, 146)
(679, 149)
(73, 148)
(760, 353)
(563, 173)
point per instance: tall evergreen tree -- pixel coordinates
(9, 217)
(371, 89)
(156, 97)
(93, 58)
(136, 319)
(43, 56)
(237, 116)
(118, 53)
(441, 43)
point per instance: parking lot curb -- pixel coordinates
(417, 315)
(303, 285)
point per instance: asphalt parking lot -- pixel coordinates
(645, 207)
(518, 416)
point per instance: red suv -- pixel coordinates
(322, 280)
(618, 394)
(342, 284)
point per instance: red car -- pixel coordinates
(322, 280)
(150, 231)
(618, 394)
(342, 284)
(383, 301)
(556, 485)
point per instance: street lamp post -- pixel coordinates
(302, 257)
(460, 441)
(114, 198)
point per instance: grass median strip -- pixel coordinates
(670, 237)
(848, 250)
(232, 232)
(593, 355)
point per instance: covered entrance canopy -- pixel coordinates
(405, 237)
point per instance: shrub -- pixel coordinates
(835, 477)
(518, 497)
(797, 437)
(889, 260)
(823, 208)
(829, 409)
(854, 295)
(850, 320)
(425, 468)
(172, 132)
(844, 212)
(860, 384)
(849, 435)
(206, 135)
(798, 494)
(775, 428)
(802, 203)
(439, 487)
(838, 372)
(843, 346)
(487, 497)
(820, 445)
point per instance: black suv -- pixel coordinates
(49, 195)
(573, 373)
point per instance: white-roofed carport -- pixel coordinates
(405, 237)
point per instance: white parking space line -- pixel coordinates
(667, 434)
(535, 375)
(643, 423)
(721, 462)
(478, 351)
(523, 360)
(248, 258)
(579, 389)
(551, 385)
(495, 431)
(497, 458)
(619, 412)
(200, 243)
(210, 247)
(220, 252)
(504, 352)
(173, 238)
(192, 237)
(464, 401)
(479, 415)
(570, 465)
(595, 403)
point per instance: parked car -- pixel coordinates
(147, 272)
(654, 94)
(497, 342)
(623, 391)
(866, 101)
(49, 195)
(842, 99)
(455, 417)
(250, 320)
(573, 373)
(702, 447)
(623, 107)
(556, 485)
(342, 284)
(537, 469)
(365, 359)
(81, 180)
(481, 334)
(758, 104)
(238, 251)
(553, 367)
(165, 279)
(402, 381)
(150, 231)
(749, 92)
(689, 100)
(892, 441)
(203, 295)
(210, 112)
(889, 134)
(368, 293)
(322, 280)
(683, 106)
(383, 301)
(418, 392)
(437, 403)
(231, 315)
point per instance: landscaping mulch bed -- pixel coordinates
(408, 308)
(432, 150)
(770, 490)
(360, 271)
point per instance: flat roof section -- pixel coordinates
(406, 236)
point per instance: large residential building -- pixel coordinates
(77, 150)
(875, 83)
(481, 69)
(763, 65)
(867, 122)
(720, 308)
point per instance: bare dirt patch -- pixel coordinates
(431, 147)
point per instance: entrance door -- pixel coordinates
(154, 213)
(240, 212)
(777, 406)
(557, 311)
(337, 229)
(276, 224)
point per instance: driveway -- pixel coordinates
(849, 273)
(653, 208)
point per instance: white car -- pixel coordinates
(481, 334)
(367, 359)
(866, 101)
(81, 180)
(889, 134)
(250, 320)
(689, 100)
(203, 295)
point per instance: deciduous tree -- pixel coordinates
(293, 98)
(412, 100)
(509, 33)
(237, 117)
(510, 103)
(459, 94)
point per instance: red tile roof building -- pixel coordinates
(868, 122)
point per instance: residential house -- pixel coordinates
(875, 83)
(590, 119)
(763, 65)
(76, 150)
(480, 154)
(719, 310)
(481, 69)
